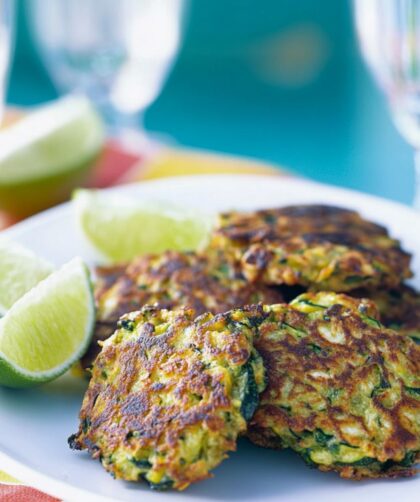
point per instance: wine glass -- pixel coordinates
(117, 52)
(6, 28)
(389, 35)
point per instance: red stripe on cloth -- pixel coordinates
(15, 493)
(113, 165)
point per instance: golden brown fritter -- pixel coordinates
(106, 276)
(319, 247)
(399, 308)
(343, 391)
(169, 395)
(206, 283)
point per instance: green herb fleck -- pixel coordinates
(270, 218)
(413, 391)
(333, 394)
(360, 463)
(306, 455)
(321, 438)
(165, 484)
(415, 338)
(224, 269)
(409, 459)
(126, 324)
(383, 385)
(372, 321)
(299, 333)
(287, 409)
(251, 395)
(319, 351)
(86, 423)
(141, 463)
(354, 279)
(312, 304)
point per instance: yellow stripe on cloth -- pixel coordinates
(8, 480)
(183, 162)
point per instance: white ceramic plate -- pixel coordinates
(35, 424)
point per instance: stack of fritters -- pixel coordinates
(325, 248)
(170, 392)
(329, 248)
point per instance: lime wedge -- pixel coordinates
(48, 153)
(20, 271)
(119, 228)
(48, 329)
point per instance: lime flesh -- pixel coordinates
(48, 329)
(20, 271)
(120, 229)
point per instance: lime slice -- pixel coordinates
(20, 271)
(48, 329)
(120, 228)
(48, 153)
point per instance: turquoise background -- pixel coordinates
(279, 80)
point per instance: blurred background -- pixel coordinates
(277, 80)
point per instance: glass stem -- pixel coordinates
(129, 132)
(416, 202)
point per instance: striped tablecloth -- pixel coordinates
(115, 167)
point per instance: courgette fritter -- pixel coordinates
(169, 395)
(205, 283)
(315, 246)
(343, 391)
